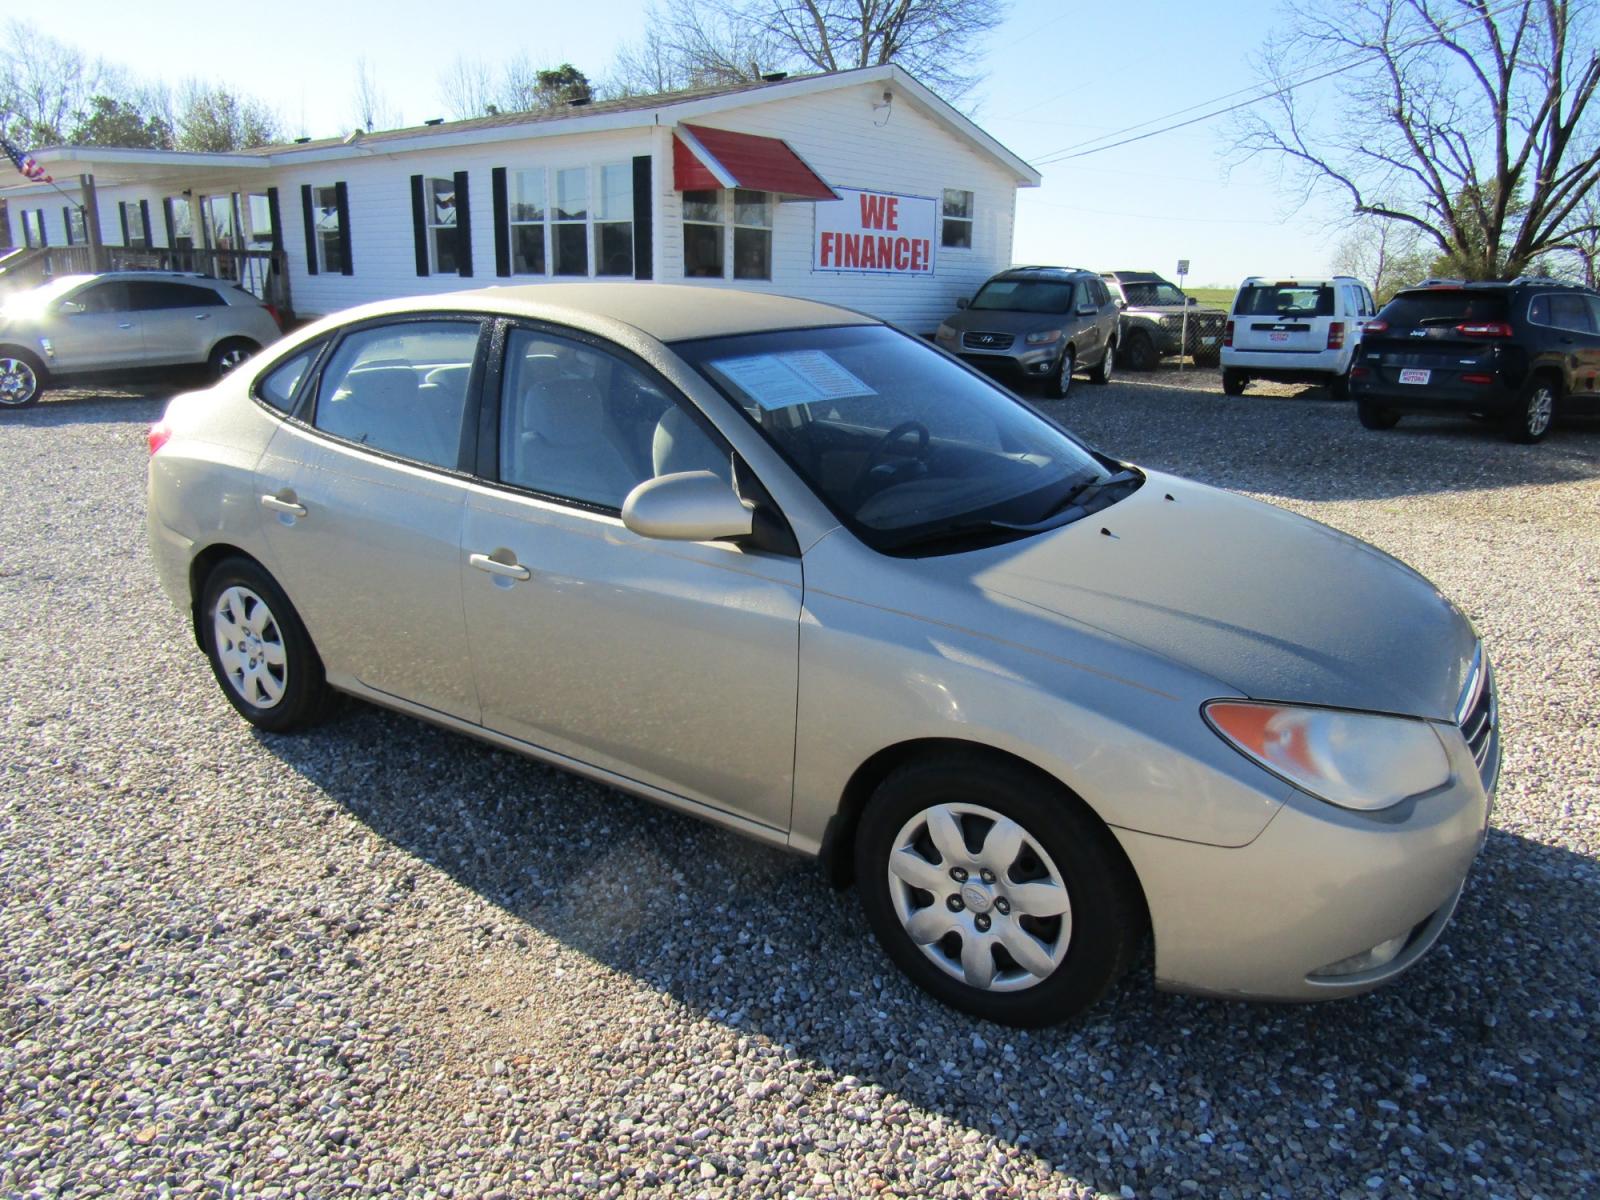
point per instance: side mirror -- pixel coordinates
(690, 506)
(963, 301)
(1088, 310)
(1121, 304)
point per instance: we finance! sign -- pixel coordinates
(876, 232)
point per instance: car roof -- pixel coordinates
(1135, 277)
(665, 311)
(1041, 273)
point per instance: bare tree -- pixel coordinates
(1384, 254)
(467, 87)
(373, 110)
(692, 43)
(45, 84)
(1468, 121)
(1584, 241)
(212, 118)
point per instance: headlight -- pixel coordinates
(1044, 337)
(1354, 760)
(944, 333)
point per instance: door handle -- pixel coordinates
(202, 316)
(125, 325)
(283, 506)
(494, 566)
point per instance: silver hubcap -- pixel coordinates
(17, 381)
(231, 359)
(1111, 361)
(1066, 371)
(997, 918)
(1541, 408)
(250, 647)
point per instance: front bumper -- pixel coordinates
(1320, 885)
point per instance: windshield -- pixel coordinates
(1153, 293)
(1284, 300)
(1024, 295)
(36, 300)
(899, 441)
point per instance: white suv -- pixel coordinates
(1294, 331)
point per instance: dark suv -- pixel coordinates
(1513, 351)
(1041, 323)
(1152, 323)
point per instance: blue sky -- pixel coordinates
(1060, 72)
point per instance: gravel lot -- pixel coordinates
(382, 959)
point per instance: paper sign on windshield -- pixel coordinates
(794, 377)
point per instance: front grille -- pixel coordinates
(1478, 715)
(988, 341)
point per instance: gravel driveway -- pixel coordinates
(383, 959)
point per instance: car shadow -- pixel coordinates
(97, 406)
(1311, 446)
(751, 936)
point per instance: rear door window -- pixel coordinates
(1569, 311)
(148, 295)
(401, 389)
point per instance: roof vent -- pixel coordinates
(434, 121)
(774, 76)
(577, 102)
(301, 141)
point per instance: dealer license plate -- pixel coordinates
(1277, 337)
(1415, 375)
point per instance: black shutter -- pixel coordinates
(309, 212)
(122, 214)
(44, 238)
(275, 215)
(172, 228)
(66, 221)
(341, 198)
(144, 216)
(643, 226)
(463, 227)
(419, 223)
(502, 223)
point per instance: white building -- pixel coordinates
(861, 188)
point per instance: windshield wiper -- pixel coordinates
(962, 531)
(1073, 505)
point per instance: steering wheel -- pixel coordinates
(880, 450)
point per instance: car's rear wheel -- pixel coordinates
(1374, 415)
(1234, 381)
(1102, 373)
(1141, 352)
(22, 379)
(1535, 411)
(259, 650)
(1061, 381)
(996, 892)
(1339, 386)
(229, 354)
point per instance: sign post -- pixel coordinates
(1183, 336)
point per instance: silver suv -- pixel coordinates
(1041, 323)
(80, 326)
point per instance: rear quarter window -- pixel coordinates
(277, 388)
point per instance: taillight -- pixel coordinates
(160, 434)
(1484, 329)
(1483, 379)
(1336, 335)
(1227, 334)
(1378, 325)
(1359, 372)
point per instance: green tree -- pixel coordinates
(211, 118)
(113, 122)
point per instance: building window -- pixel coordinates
(702, 235)
(957, 219)
(441, 197)
(570, 232)
(33, 228)
(752, 235)
(528, 210)
(613, 221)
(135, 235)
(182, 222)
(77, 227)
(330, 242)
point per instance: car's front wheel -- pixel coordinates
(229, 354)
(21, 379)
(1061, 381)
(1374, 415)
(996, 892)
(260, 652)
(1535, 412)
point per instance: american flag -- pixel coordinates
(25, 163)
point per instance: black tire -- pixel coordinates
(1140, 352)
(1107, 915)
(1535, 411)
(1234, 381)
(1374, 415)
(1207, 358)
(305, 694)
(23, 378)
(1339, 386)
(1102, 372)
(229, 354)
(1059, 384)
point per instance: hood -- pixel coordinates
(1006, 320)
(1276, 606)
(1176, 310)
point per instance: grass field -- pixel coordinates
(1221, 297)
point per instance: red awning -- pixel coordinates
(716, 158)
